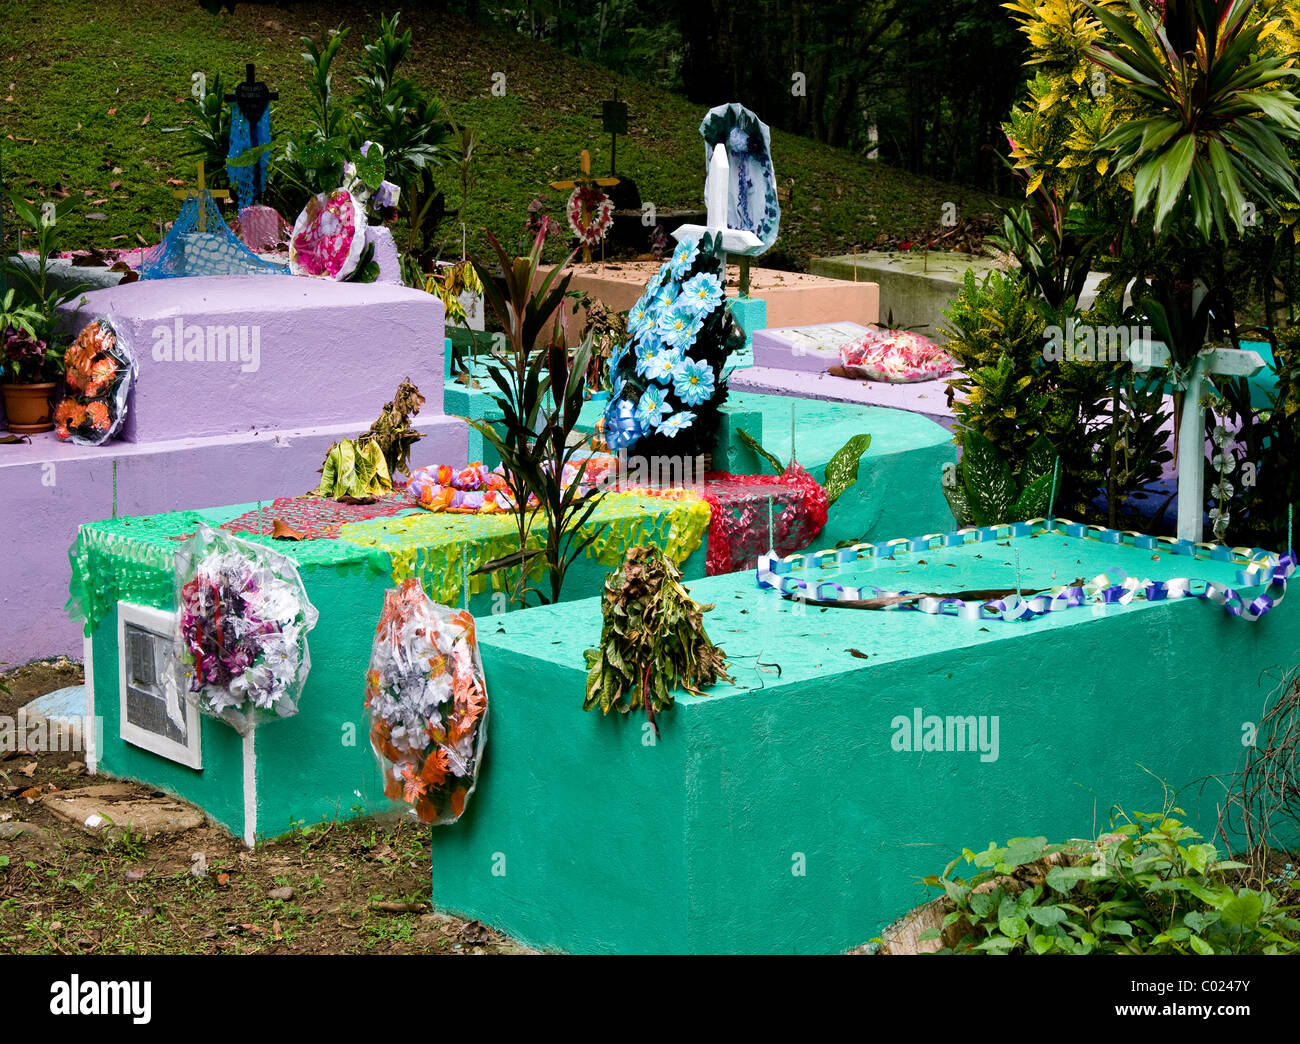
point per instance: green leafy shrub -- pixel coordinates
(1009, 394)
(983, 491)
(1146, 887)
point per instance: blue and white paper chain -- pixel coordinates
(1259, 568)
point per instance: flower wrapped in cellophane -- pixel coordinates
(242, 622)
(896, 357)
(427, 702)
(98, 371)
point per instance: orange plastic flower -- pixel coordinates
(97, 413)
(426, 810)
(435, 768)
(380, 737)
(413, 787)
(392, 786)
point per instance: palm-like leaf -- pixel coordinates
(1218, 120)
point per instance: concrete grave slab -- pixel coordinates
(120, 807)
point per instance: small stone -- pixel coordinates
(283, 894)
(9, 831)
(76, 767)
(135, 873)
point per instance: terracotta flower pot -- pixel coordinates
(28, 407)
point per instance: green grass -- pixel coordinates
(81, 78)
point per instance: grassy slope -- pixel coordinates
(66, 63)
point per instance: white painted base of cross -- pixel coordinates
(716, 186)
(1230, 362)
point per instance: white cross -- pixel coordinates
(1191, 428)
(716, 186)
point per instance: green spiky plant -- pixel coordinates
(540, 393)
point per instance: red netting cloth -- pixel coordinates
(738, 526)
(318, 517)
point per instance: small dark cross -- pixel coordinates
(252, 96)
(613, 121)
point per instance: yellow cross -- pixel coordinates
(585, 178)
(197, 191)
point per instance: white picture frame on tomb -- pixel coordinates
(150, 706)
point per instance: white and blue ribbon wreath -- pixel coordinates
(1260, 569)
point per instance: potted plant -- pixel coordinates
(31, 353)
(29, 368)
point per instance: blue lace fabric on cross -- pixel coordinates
(210, 250)
(247, 181)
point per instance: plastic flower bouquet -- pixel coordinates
(99, 369)
(896, 357)
(328, 236)
(471, 490)
(667, 382)
(427, 703)
(241, 643)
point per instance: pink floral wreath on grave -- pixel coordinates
(588, 200)
(896, 357)
(328, 236)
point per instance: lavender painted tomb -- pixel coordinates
(794, 360)
(271, 371)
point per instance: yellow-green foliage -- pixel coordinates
(1072, 104)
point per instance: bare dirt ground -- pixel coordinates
(357, 887)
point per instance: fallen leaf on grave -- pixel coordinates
(281, 530)
(175, 181)
(113, 111)
(858, 653)
(31, 793)
(113, 186)
(276, 931)
(96, 215)
(97, 202)
(135, 873)
(223, 879)
(28, 770)
(142, 241)
(87, 192)
(144, 122)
